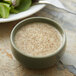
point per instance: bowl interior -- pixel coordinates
(37, 19)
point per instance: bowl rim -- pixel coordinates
(56, 52)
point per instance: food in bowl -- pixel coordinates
(38, 39)
(13, 6)
(38, 42)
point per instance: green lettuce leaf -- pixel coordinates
(7, 1)
(24, 5)
(4, 10)
(0, 16)
(13, 10)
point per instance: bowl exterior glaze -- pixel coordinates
(37, 62)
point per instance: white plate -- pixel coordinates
(24, 14)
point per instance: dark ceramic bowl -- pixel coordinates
(37, 62)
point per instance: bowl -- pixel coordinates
(34, 62)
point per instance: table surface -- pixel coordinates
(9, 66)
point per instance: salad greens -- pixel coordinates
(24, 5)
(4, 10)
(13, 6)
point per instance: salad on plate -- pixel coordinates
(8, 7)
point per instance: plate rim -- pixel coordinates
(15, 19)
